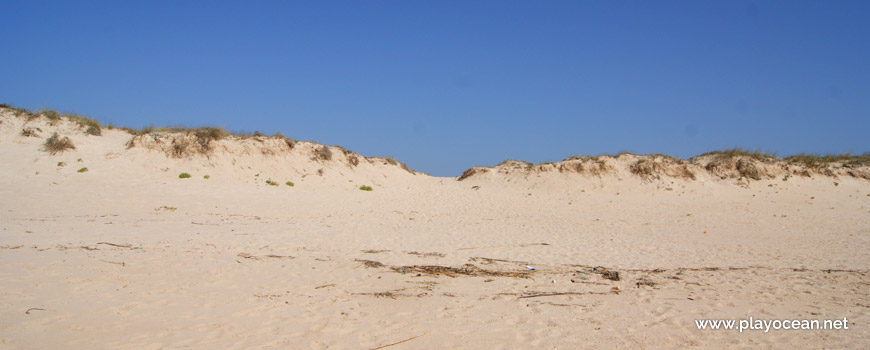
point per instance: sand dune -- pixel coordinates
(127, 255)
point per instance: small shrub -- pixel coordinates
(79, 160)
(271, 183)
(323, 153)
(290, 142)
(183, 176)
(52, 115)
(206, 135)
(353, 160)
(61, 164)
(165, 208)
(83, 170)
(289, 183)
(94, 130)
(57, 144)
(366, 188)
(29, 132)
(206, 177)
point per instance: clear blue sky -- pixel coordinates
(447, 85)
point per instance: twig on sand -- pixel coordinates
(562, 293)
(400, 342)
(129, 246)
(114, 262)
(33, 309)
(325, 286)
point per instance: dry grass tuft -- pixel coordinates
(323, 153)
(470, 172)
(57, 144)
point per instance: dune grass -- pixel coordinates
(366, 188)
(818, 161)
(184, 176)
(82, 170)
(57, 144)
(290, 183)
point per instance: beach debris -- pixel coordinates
(128, 246)
(465, 270)
(399, 342)
(114, 262)
(606, 274)
(33, 309)
(530, 268)
(644, 281)
(553, 294)
(370, 263)
(427, 255)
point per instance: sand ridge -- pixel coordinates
(129, 255)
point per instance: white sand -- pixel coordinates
(241, 264)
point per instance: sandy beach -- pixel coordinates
(618, 252)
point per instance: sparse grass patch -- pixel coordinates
(92, 127)
(16, 110)
(50, 114)
(57, 144)
(818, 161)
(366, 188)
(61, 164)
(184, 176)
(471, 172)
(290, 183)
(206, 177)
(739, 152)
(82, 170)
(271, 183)
(165, 208)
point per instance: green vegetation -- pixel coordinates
(92, 127)
(206, 177)
(57, 144)
(184, 176)
(83, 170)
(289, 183)
(50, 114)
(271, 183)
(817, 161)
(739, 152)
(165, 208)
(61, 164)
(366, 188)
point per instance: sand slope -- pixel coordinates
(129, 256)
